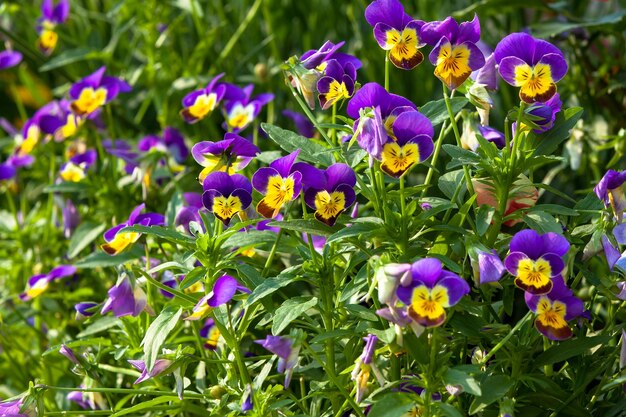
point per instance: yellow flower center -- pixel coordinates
(48, 40)
(226, 207)
(551, 314)
(120, 242)
(329, 205)
(453, 64)
(72, 173)
(534, 81)
(89, 100)
(240, 116)
(279, 191)
(402, 45)
(430, 303)
(396, 159)
(69, 128)
(31, 140)
(533, 274)
(203, 105)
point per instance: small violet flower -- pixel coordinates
(337, 83)
(223, 291)
(609, 190)
(94, 91)
(287, 349)
(280, 183)
(210, 333)
(226, 195)
(532, 64)
(364, 365)
(117, 241)
(51, 16)
(38, 284)
(85, 309)
(200, 103)
(487, 267)
(534, 260)
(160, 366)
(240, 109)
(302, 123)
(124, 300)
(75, 169)
(229, 155)
(9, 59)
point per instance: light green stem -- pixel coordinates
(502, 342)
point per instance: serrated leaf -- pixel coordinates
(289, 311)
(157, 333)
(290, 141)
(86, 233)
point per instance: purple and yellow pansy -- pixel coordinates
(455, 54)
(125, 299)
(59, 121)
(329, 192)
(51, 15)
(210, 333)
(287, 349)
(396, 32)
(229, 155)
(610, 191)
(94, 91)
(226, 195)
(240, 108)
(37, 284)
(75, 170)
(200, 103)
(117, 240)
(337, 83)
(279, 183)
(532, 64)
(222, 292)
(431, 290)
(534, 260)
(554, 310)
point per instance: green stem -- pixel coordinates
(502, 342)
(192, 395)
(333, 132)
(433, 163)
(387, 71)
(547, 369)
(272, 254)
(310, 115)
(403, 219)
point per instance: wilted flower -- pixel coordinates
(87, 400)
(118, 241)
(226, 195)
(171, 142)
(455, 54)
(94, 91)
(396, 32)
(609, 190)
(160, 366)
(124, 300)
(280, 183)
(544, 114)
(200, 103)
(532, 64)
(554, 309)
(240, 109)
(230, 155)
(364, 365)
(37, 284)
(9, 59)
(430, 291)
(50, 17)
(330, 192)
(68, 353)
(222, 292)
(536, 259)
(287, 349)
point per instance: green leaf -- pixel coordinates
(569, 349)
(493, 388)
(543, 222)
(101, 259)
(361, 312)
(548, 142)
(99, 325)
(67, 187)
(269, 286)
(162, 232)
(483, 218)
(356, 230)
(313, 227)
(459, 377)
(290, 141)
(250, 238)
(157, 333)
(437, 112)
(144, 405)
(463, 156)
(86, 233)
(289, 311)
(448, 410)
(392, 405)
(69, 57)
(554, 209)
(449, 182)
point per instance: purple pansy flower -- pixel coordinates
(554, 310)
(303, 124)
(171, 142)
(160, 366)
(87, 400)
(336, 84)
(329, 192)
(222, 292)
(609, 191)
(493, 135)
(390, 129)
(210, 333)
(75, 169)
(59, 121)
(230, 155)
(190, 211)
(14, 409)
(94, 91)
(455, 54)
(317, 59)
(490, 267)
(85, 309)
(544, 114)
(118, 241)
(9, 59)
(534, 260)
(431, 290)
(226, 195)
(488, 74)
(37, 284)
(71, 218)
(396, 32)
(51, 16)
(200, 103)
(532, 64)
(287, 349)
(240, 108)
(364, 365)
(124, 300)
(280, 183)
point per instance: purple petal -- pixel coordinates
(455, 285)
(556, 263)
(218, 181)
(512, 261)
(370, 95)
(410, 124)
(555, 243)
(278, 345)
(303, 125)
(283, 165)
(311, 177)
(62, 271)
(136, 211)
(507, 67)
(390, 12)
(338, 174)
(610, 251)
(518, 45)
(223, 291)
(427, 271)
(425, 146)
(558, 65)
(433, 32)
(529, 242)
(469, 31)
(109, 235)
(7, 172)
(9, 59)
(490, 266)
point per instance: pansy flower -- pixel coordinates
(240, 108)
(317, 59)
(226, 195)
(117, 240)
(610, 191)
(124, 299)
(532, 64)
(232, 154)
(396, 32)
(329, 192)
(222, 292)
(9, 59)
(160, 366)
(38, 284)
(94, 91)
(554, 310)
(75, 169)
(59, 121)
(85, 309)
(87, 400)
(200, 103)
(336, 84)
(51, 16)
(390, 129)
(455, 54)
(171, 142)
(210, 333)
(287, 349)
(431, 290)
(534, 260)
(16, 408)
(487, 266)
(279, 183)
(190, 212)
(364, 366)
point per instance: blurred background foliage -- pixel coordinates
(165, 48)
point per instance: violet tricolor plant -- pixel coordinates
(348, 238)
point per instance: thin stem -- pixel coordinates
(502, 342)
(387, 71)
(240, 30)
(192, 395)
(310, 115)
(272, 254)
(403, 219)
(429, 175)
